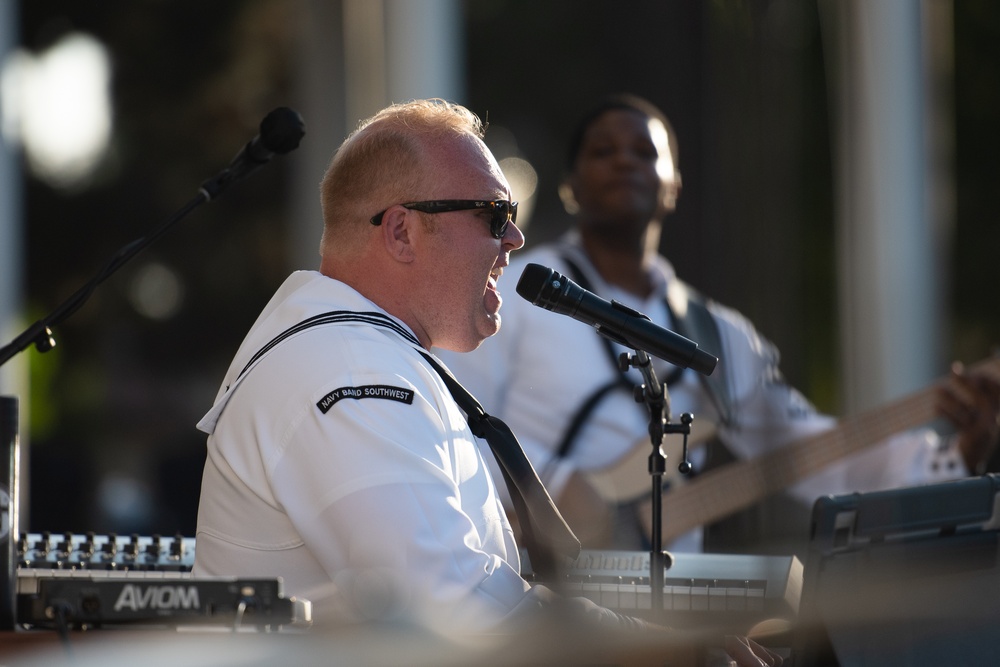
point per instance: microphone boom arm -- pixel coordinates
(279, 130)
(40, 333)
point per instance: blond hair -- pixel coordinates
(379, 163)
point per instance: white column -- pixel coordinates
(357, 57)
(424, 50)
(12, 373)
(888, 266)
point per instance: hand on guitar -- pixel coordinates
(971, 401)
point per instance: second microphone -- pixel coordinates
(553, 291)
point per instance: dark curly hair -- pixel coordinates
(625, 101)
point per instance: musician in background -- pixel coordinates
(559, 387)
(338, 457)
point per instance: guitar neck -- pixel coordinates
(718, 493)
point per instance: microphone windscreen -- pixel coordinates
(281, 130)
(533, 280)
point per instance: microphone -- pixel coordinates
(280, 132)
(553, 291)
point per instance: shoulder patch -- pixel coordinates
(400, 394)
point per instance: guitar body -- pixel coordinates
(715, 494)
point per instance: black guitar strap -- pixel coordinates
(691, 319)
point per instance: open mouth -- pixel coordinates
(491, 282)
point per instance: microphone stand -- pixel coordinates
(281, 131)
(657, 400)
(40, 333)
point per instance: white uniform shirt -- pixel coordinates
(339, 462)
(537, 371)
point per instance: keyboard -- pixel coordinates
(698, 589)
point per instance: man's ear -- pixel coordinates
(672, 192)
(397, 233)
(566, 194)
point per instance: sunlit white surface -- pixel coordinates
(57, 105)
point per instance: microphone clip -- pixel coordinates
(657, 400)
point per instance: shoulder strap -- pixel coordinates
(331, 317)
(693, 320)
(208, 422)
(620, 380)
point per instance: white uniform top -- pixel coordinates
(339, 462)
(537, 371)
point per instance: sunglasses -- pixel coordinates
(502, 212)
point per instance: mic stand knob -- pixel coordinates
(684, 428)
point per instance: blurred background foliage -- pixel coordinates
(112, 440)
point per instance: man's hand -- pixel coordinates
(971, 401)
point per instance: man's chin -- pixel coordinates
(473, 342)
(490, 328)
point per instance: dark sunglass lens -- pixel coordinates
(504, 213)
(498, 218)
